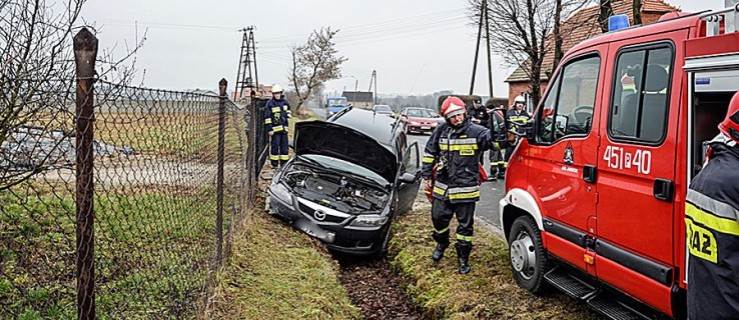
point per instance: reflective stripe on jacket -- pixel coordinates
(457, 152)
(276, 114)
(712, 237)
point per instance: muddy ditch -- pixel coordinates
(375, 289)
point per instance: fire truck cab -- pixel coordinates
(595, 194)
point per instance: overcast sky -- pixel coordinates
(419, 47)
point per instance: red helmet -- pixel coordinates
(730, 126)
(452, 106)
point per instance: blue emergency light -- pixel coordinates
(618, 22)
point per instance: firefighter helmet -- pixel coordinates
(277, 89)
(730, 126)
(452, 106)
(520, 99)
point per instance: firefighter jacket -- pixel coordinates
(516, 121)
(517, 117)
(712, 228)
(456, 152)
(276, 114)
(479, 114)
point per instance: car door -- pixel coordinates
(562, 164)
(407, 192)
(637, 167)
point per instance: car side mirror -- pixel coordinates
(407, 178)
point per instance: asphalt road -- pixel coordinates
(490, 192)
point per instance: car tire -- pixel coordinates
(528, 258)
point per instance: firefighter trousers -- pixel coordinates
(278, 152)
(442, 213)
(508, 153)
(497, 163)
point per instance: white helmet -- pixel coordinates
(276, 89)
(520, 99)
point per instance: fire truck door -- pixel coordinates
(636, 166)
(567, 150)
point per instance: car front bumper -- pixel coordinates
(337, 236)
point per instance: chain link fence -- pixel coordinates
(141, 232)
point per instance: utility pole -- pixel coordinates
(487, 37)
(477, 50)
(248, 59)
(373, 79)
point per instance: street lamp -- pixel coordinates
(356, 84)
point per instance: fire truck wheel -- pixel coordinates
(528, 256)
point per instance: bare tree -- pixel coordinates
(606, 10)
(37, 80)
(523, 32)
(557, 33)
(314, 63)
(637, 6)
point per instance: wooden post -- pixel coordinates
(219, 176)
(85, 52)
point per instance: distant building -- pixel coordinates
(584, 25)
(359, 99)
(264, 91)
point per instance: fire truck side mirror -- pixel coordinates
(530, 133)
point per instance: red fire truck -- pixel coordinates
(595, 193)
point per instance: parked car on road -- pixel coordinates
(420, 119)
(348, 179)
(383, 109)
(334, 105)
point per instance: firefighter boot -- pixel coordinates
(501, 173)
(442, 242)
(463, 254)
(493, 173)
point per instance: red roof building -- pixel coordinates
(581, 26)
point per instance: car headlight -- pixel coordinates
(280, 192)
(369, 220)
(414, 123)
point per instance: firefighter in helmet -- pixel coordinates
(517, 117)
(453, 151)
(712, 226)
(276, 113)
(497, 127)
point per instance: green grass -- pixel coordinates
(276, 272)
(153, 251)
(488, 292)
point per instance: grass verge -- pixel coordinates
(153, 252)
(276, 272)
(488, 292)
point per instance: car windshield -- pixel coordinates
(345, 166)
(419, 113)
(383, 108)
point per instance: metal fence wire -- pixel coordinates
(161, 173)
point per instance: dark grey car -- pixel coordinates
(351, 175)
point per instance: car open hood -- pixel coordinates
(337, 141)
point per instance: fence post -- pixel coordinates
(219, 179)
(85, 52)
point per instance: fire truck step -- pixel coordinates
(569, 284)
(610, 308)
